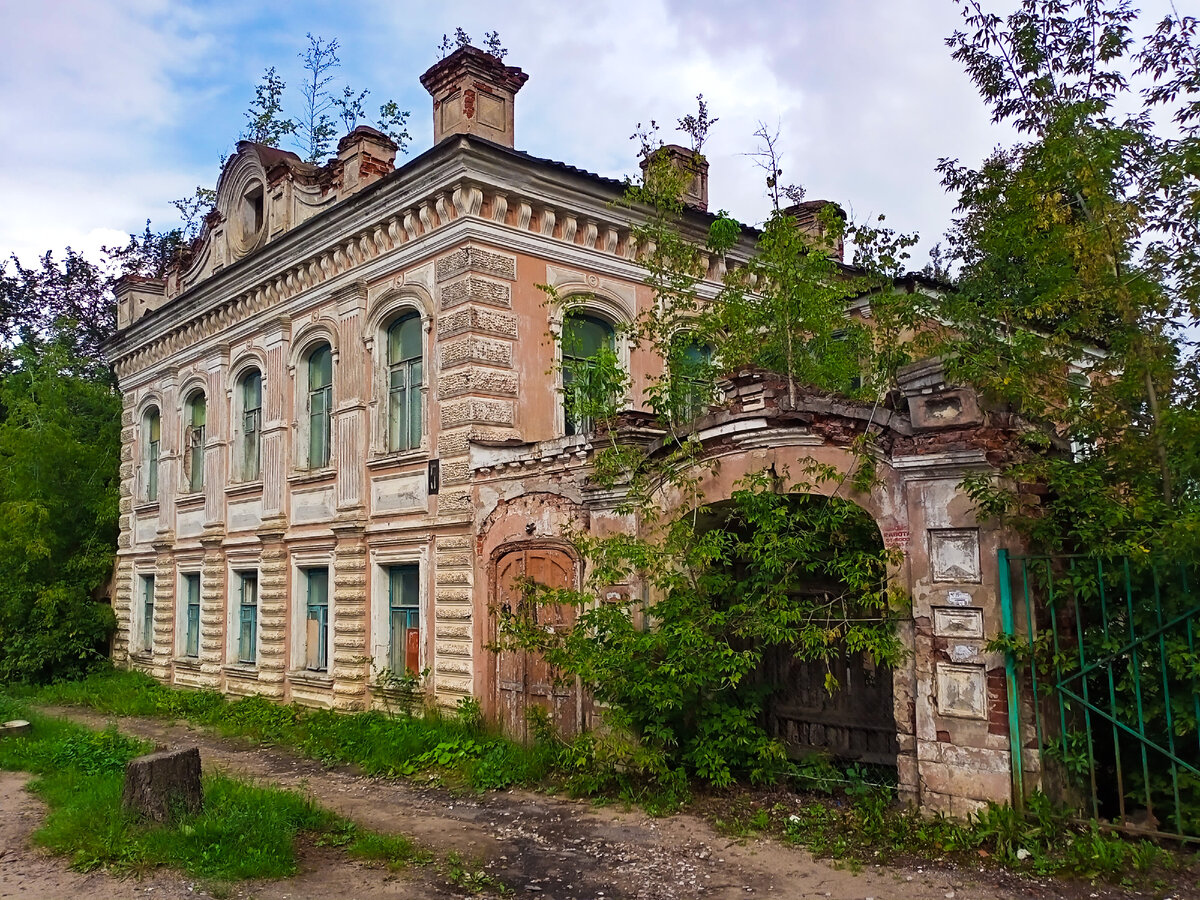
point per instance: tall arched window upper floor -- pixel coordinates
(246, 402)
(150, 440)
(314, 419)
(592, 361)
(688, 378)
(397, 336)
(195, 425)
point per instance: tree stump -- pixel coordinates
(15, 728)
(162, 785)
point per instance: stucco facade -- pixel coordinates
(294, 300)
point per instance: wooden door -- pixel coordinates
(523, 679)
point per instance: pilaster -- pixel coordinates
(351, 656)
(272, 608)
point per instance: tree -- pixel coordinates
(59, 453)
(1072, 248)
(265, 121)
(727, 585)
(316, 127)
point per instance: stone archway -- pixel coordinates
(855, 720)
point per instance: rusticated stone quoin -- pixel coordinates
(163, 785)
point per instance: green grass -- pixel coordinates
(458, 747)
(244, 831)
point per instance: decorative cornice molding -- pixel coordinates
(476, 190)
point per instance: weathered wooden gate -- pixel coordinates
(856, 722)
(525, 679)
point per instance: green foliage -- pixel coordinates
(266, 123)
(775, 568)
(59, 440)
(243, 831)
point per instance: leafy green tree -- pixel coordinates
(265, 122)
(780, 567)
(59, 452)
(1074, 270)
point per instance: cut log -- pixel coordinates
(161, 786)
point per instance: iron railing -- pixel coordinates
(1104, 688)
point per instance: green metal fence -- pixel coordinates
(1104, 688)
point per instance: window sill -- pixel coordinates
(244, 487)
(311, 678)
(242, 671)
(398, 458)
(146, 507)
(189, 499)
(191, 663)
(309, 476)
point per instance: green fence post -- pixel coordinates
(1010, 677)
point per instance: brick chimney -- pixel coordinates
(473, 93)
(366, 155)
(694, 168)
(807, 216)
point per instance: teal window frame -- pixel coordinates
(320, 406)
(147, 636)
(191, 590)
(248, 618)
(406, 381)
(404, 617)
(250, 386)
(316, 590)
(583, 336)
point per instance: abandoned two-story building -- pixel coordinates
(343, 438)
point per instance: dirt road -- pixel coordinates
(538, 846)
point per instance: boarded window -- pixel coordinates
(251, 391)
(147, 636)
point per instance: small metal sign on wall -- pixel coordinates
(435, 475)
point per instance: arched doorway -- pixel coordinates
(837, 699)
(524, 680)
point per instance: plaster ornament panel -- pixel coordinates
(962, 691)
(473, 410)
(954, 554)
(474, 289)
(245, 514)
(454, 631)
(958, 623)
(190, 522)
(476, 349)
(473, 259)
(474, 318)
(312, 505)
(454, 666)
(399, 493)
(454, 502)
(477, 381)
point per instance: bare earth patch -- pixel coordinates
(538, 846)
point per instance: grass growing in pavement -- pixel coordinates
(243, 831)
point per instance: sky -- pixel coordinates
(110, 109)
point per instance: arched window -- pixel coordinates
(197, 414)
(151, 442)
(586, 386)
(691, 371)
(320, 406)
(405, 380)
(249, 444)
